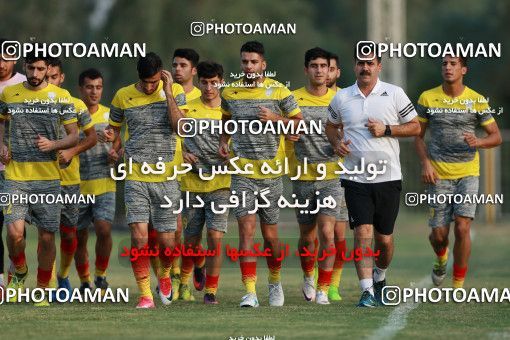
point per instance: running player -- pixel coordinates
(450, 161)
(96, 180)
(70, 177)
(202, 151)
(36, 110)
(250, 98)
(313, 149)
(371, 113)
(150, 111)
(184, 68)
(340, 226)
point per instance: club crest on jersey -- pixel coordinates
(51, 95)
(162, 94)
(269, 91)
(106, 115)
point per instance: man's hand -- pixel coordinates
(65, 156)
(5, 155)
(470, 139)
(101, 137)
(376, 127)
(223, 150)
(44, 144)
(343, 148)
(429, 174)
(189, 158)
(266, 115)
(109, 134)
(168, 81)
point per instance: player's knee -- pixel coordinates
(46, 239)
(14, 235)
(385, 241)
(462, 230)
(103, 233)
(139, 242)
(364, 231)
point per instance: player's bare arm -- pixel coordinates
(174, 114)
(409, 129)
(492, 139)
(70, 140)
(4, 150)
(428, 173)
(334, 132)
(86, 143)
(224, 138)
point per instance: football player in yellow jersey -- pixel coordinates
(96, 180)
(265, 99)
(315, 151)
(201, 151)
(8, 76)
(150, 111)
(340, 226)
(37, 110)
(70, 177)
(450, 161)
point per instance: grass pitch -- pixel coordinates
(297, 319)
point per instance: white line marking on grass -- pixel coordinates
(397, 320)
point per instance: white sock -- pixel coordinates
(367, 284)
(309, 279)
(379, 274)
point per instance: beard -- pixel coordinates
(331, 82)
(34, 82)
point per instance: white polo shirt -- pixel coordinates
(387, 103)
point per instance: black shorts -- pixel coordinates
(373, 203)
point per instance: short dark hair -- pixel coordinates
(316, 53)
(189, 54)
(31, 58)
(56, 62)
(209, 69)
(149, 65)
(463, 60)
(335, 57)
(91, 73)
(253, 47)
(373, 46)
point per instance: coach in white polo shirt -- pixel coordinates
(370, 115)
